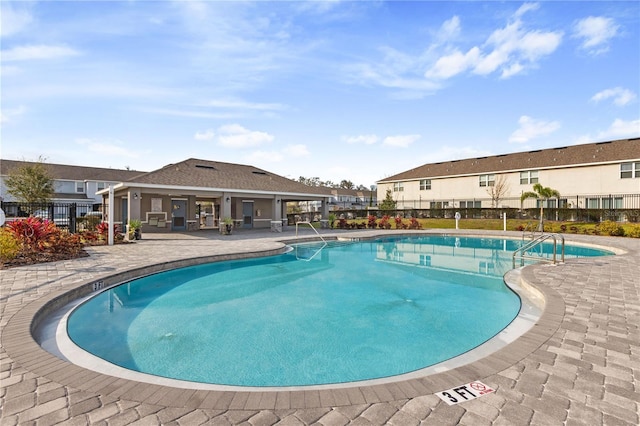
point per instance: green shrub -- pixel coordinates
(9, 245)
(634, 231)
(609, 227)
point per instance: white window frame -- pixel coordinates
(529, 177)
(398, 186)
(630, 170)
(476, 204)
(79, 187)
(425, 184)
(487, 180)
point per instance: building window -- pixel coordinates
(425, 260)
(425, 184)
(438, 204)
(398, 187)
(80, 187)
(630, 170)
(470, 204)
(529, 177)
(487, 180)
(593, 203)
(612, 203)
(101, 185)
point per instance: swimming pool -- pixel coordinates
(343, 313)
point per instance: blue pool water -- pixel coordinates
(343, 313)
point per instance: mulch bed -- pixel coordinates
(37, 258)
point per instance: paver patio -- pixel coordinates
(579, 366)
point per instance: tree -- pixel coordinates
(499, 189)
(346, 184)
(31, 183)
(541, 193)
(388, 205)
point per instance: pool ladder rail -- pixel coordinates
(317, 233)
(525, 252)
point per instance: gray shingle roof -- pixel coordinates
(213, 174)
(601, 152)
(79, 173)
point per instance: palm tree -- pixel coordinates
(541, 193)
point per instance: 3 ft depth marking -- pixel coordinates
(464, 393)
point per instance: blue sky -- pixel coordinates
(356, 90)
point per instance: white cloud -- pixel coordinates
(207, 135)
(13, 21)
(450, 29)
(453, 64)
(621, 129)
(298, 150)
(621, 96)
(113, 148)
(595, 32)
(401, 141)
(236, 136)
(526, 8)
(40, 51)
(531, 128)
(365, 139)
(509, 50)
(515, 49)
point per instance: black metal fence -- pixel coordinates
(578, 208)
(72, 216)
(562, 214)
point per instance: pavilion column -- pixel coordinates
(278, 206)
(225, 206)
(324, 208)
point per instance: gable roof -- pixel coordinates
(66, 172)
(568, 156)
(199, 173)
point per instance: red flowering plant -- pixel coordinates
(41, 240)
(414, 224)
(371, 221)
(103, 231)
(33, 233)
(398, 221)
(384, 222)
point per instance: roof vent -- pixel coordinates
(255, 172)
(203, 166)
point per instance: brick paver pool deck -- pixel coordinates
(580, 365)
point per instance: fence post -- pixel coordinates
(72, 217)
(111, 223)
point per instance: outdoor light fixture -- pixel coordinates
(135, 195)
(228, 199)
(278, 201)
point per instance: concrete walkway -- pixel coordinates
(580, 365)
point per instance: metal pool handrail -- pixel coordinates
(317, 233)
(521, 252)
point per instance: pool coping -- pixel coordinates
(20, 345)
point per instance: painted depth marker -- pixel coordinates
(464, 393)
